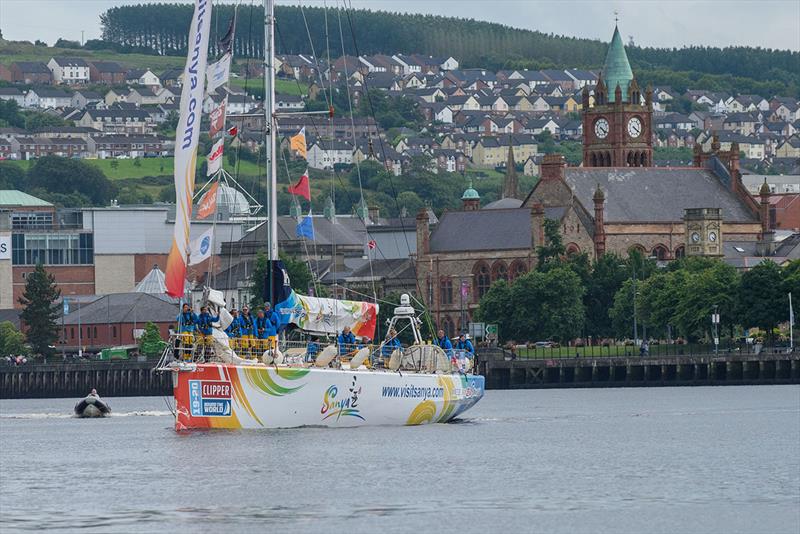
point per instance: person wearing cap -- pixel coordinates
(204, 321)
(233, 330)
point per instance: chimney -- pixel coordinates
(537, 225)
(552, 167)
(423, 235)
(599, 199)
(374, 213)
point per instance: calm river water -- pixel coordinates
(706, 459)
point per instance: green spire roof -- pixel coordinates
(470, 193)
(617, 70)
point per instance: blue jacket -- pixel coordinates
(233, 328)
(204, 321)
(465, 346)
(264, 328)
(246, 325)
(275, 319)
(347, 342)
(187, 321)
(444, 343)
(389, 346)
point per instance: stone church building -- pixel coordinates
(615, 202)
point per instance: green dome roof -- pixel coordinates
(470, 194)
(617, 70)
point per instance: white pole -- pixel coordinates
(270, 127)
(791, 323)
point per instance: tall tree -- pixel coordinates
(553, 247)
(12, 341)
(40, 310)
(608, 274)
(760, 295)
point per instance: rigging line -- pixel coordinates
(358, 166)
(372, 112)
(314, 54)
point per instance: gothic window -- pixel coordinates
(447, 325)
(499, 271)
(445, 292)
(639, 249)
(660, 252)
(573, 249)
(518, 269)
(680, 252)
(482, 280)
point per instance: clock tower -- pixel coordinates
(617, 131)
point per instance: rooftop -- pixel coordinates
(12, 197)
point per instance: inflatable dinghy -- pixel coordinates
(92, 406)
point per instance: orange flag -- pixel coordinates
(298, 142)
(208, 202)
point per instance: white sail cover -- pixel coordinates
(329, 316)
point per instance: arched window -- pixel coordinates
(447, 325)
(638, 249)
(445, 291)
(630, 159)
(660, 252)
(573, 249)
(482, 280)
(517, 269)
(680, 252)
(499, 271)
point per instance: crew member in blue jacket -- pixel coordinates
(391, 344)
(204, 321)
(273, 317)
(443, 342)
(465, 346)
(347, 341)
(233, 329)
(246, 331)
(187, 323)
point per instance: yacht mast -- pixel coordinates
(270, 128)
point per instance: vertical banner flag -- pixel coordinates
(201, 247)
(302, 188)
(217, 118)
(305, 228)
(298, 142)
(226, 42)
(208, 202)
(218, 73)
(187, 134)
(215, 157)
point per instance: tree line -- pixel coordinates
(163, 29)
(567, 298)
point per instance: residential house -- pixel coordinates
(664, 93)
(47, 97)
(30, 72)
(430, 94)
(531, 166)
(69, 70)
(790, 148)
(108, 72)
(144, 77)
(117, 121)
(12, 93)
(549, 89)
(5, 73)
(172, 77)
(144, 95)
(582, 78)
(410, 66)
(560, 77)
(673, 121)
(113, 146)
(742, 123)
(326, 154)
(426, 144)
(787, 111)
(463, 103)
(6, 151)
(285, 102)
(493, 151)
(299, 67)
(380, 152)
(114, 96)
(461, 142)
(449, 160)
(82, 98)
(752, 147)
(27, 148)
(534, 126)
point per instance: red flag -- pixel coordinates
(232, 131)
(372, 244)
(217, 118)
(208, 202)
(302, 187)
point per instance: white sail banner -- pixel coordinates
(201, 247)
(218, 73)
(215, 157)
(187, 135)
(329, 316)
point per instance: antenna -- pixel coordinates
(616, 16)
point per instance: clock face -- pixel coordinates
(635, 127)
(695, 237)
(601, 128)
(712, 236)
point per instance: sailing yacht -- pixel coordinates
(302, 383)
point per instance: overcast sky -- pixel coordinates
(765, 23)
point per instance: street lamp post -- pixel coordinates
(715, 321)
(635, 326)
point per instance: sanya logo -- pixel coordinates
(344, 406)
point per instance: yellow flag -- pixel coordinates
(298, 142)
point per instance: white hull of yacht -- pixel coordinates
(254, 397)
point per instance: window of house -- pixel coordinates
(482, 280)
(499, 271)
(446, 291)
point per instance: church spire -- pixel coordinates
(511, 182)
(617, 69)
